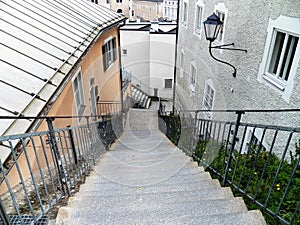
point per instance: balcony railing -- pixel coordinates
(260, 162)
(46, 166)
(108, 107)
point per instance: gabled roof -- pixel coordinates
(40, 42)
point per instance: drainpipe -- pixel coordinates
(120, 63)
(175, 70)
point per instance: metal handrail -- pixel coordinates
(61, 159)
(261, 162)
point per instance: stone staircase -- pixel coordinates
(140, 98)
(145, 179)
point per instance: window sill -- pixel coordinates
(277, 83)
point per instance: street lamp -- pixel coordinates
(212, 27)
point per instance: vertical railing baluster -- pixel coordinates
(288, 184)
(239, 153)
(66, 169)
(279, 167)
(92, 152)
(266, 163)
(238, 121)
(57, 156)
(255, 160)
(21, 177)
(32, 176)
(71, 165)
(194, 135)
(48, 167)
(40, 170)
(3, 215)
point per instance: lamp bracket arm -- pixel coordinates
(234, 69)
(225, 47)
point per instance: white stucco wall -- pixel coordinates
(137, 58)
(150, 57)
(162, 58)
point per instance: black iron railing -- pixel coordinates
(260, 162)
(46, 166)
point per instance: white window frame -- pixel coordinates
(208, 99)
(287, 25)
(192, 78)
(181, 62)
(198, 18)
(79, 97)
(257, 134)
(185, 13)
(221, 8)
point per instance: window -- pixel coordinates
(185, 14)
(119, 1)
(78, 93)
(198, 17)
(181, 63)
(109, 52)
(124, 51)
(208, 97)
(193, 74)
(221, 11)
(220, 36)
(281, 55)
(168, 83)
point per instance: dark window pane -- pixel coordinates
(290, 52)
(276, 52)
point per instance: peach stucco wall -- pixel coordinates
(109, 90)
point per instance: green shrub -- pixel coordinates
(254, 172)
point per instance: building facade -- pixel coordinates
(125, 7)
(268, 75)
(149, 10)
(270, 68)
(50, 68)
(148, 52)
(170, 9)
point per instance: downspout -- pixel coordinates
(120, 62)
(175, 70)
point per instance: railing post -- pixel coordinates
(194, 133)
(71, 136)
(236, 129)
(90, 139)
(3, 215)
(57, 156)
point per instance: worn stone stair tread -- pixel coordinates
(174, 179)
(148, 212)
(151, 198)
(102, 189)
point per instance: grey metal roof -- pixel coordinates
(40, 41)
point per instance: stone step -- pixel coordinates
(141, 187)
(154, 179)
(115, 214)
(151, 198)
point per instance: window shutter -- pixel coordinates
(104, 58)
(114, 49)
